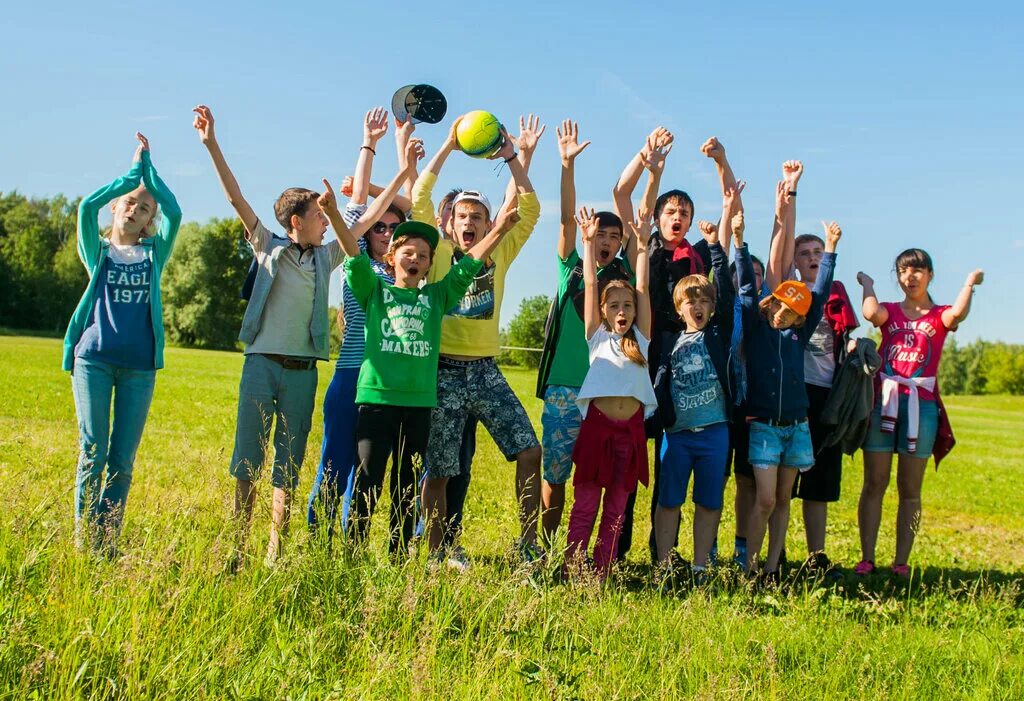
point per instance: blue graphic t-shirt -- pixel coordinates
(696, 392)
(120, 330)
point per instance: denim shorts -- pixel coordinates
(878, 441)
(560, 422)
(700, 453)
(781, 446)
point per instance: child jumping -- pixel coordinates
(616, 397)
(908, 417)
(777, 330)
(115, 340)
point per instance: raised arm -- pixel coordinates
(622, 193)
(713, 149)
(591, 298)
(653, 158)
(328, 204)
(403, 134)
(530, 131)
(406, 165)
(641, 235)
(169, 209)
(873, 312)
(732, 215)
(791, 174)
(422, 205)
(203, 124)
(952, 317)
(90, 206)
(375, 126)
(401, 201)
(568, 148)
(777, 268)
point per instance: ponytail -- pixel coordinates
(631, 347)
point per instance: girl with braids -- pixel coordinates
(616, 397)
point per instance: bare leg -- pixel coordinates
(279, 516)
(435, 509)
(877, 467)
(666, 526)
(764, 504)
(815, 517)
(909, 478)
(778, 522)
(552, 497)
(528, 492)
(705, 528)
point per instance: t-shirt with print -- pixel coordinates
(120, 329)
(284, 328)
(403, 329)
(819, 358)
(471, 327)
(569, 361)
(912, 348)
(696, 389)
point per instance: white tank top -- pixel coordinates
(612, 374)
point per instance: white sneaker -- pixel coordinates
(458, 559)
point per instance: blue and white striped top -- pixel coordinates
(354, 340)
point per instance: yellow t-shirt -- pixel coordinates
(471, 328)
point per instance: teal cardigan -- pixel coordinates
(92, 249)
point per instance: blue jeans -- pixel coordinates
(97, 501)
(338, 454)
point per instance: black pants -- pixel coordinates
(382, 432)
(458, 486)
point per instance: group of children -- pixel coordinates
(726, 367)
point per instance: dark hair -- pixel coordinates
(608, 219)
(807, 238)
(448, 197)
(753, 259)
(666, 197)
(913, 258)
(397, 211)
(293, 201)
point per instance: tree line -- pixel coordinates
(41, 280)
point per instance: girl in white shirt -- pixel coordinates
(616, 397)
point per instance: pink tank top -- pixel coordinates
(912, 348)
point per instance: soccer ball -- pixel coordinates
(479, 134)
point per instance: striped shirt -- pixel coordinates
(354, 339)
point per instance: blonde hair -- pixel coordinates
(630, 346)
(692, 288)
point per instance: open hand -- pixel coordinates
(782, 200)
(568, 141)
(530, 131)
(203, 123)
(731, 196)
(587, 221)
(659, 145)
(641, 229)
(375, 126)
(412, 155)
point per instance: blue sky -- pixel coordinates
(906, 115)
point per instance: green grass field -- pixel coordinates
(164, 621)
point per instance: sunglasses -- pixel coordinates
(382, 228)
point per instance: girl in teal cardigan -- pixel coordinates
(115, 340)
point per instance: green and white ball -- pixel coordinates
(479, 134)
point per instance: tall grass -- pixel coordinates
(165, 621)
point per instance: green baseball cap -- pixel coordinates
(420, 230)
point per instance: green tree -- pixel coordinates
(526, 330)
(1004, 368)
(201, 284)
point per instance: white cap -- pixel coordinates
(473, 196)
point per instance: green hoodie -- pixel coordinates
(92, 249)
(403, 332)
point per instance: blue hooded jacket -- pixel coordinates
(775, 359)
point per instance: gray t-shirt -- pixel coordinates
(284, 328)
(819, 358)
(696, 392)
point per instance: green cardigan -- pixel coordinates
(92, 249)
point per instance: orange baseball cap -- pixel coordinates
(795, 295)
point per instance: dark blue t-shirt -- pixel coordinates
(120, 331)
